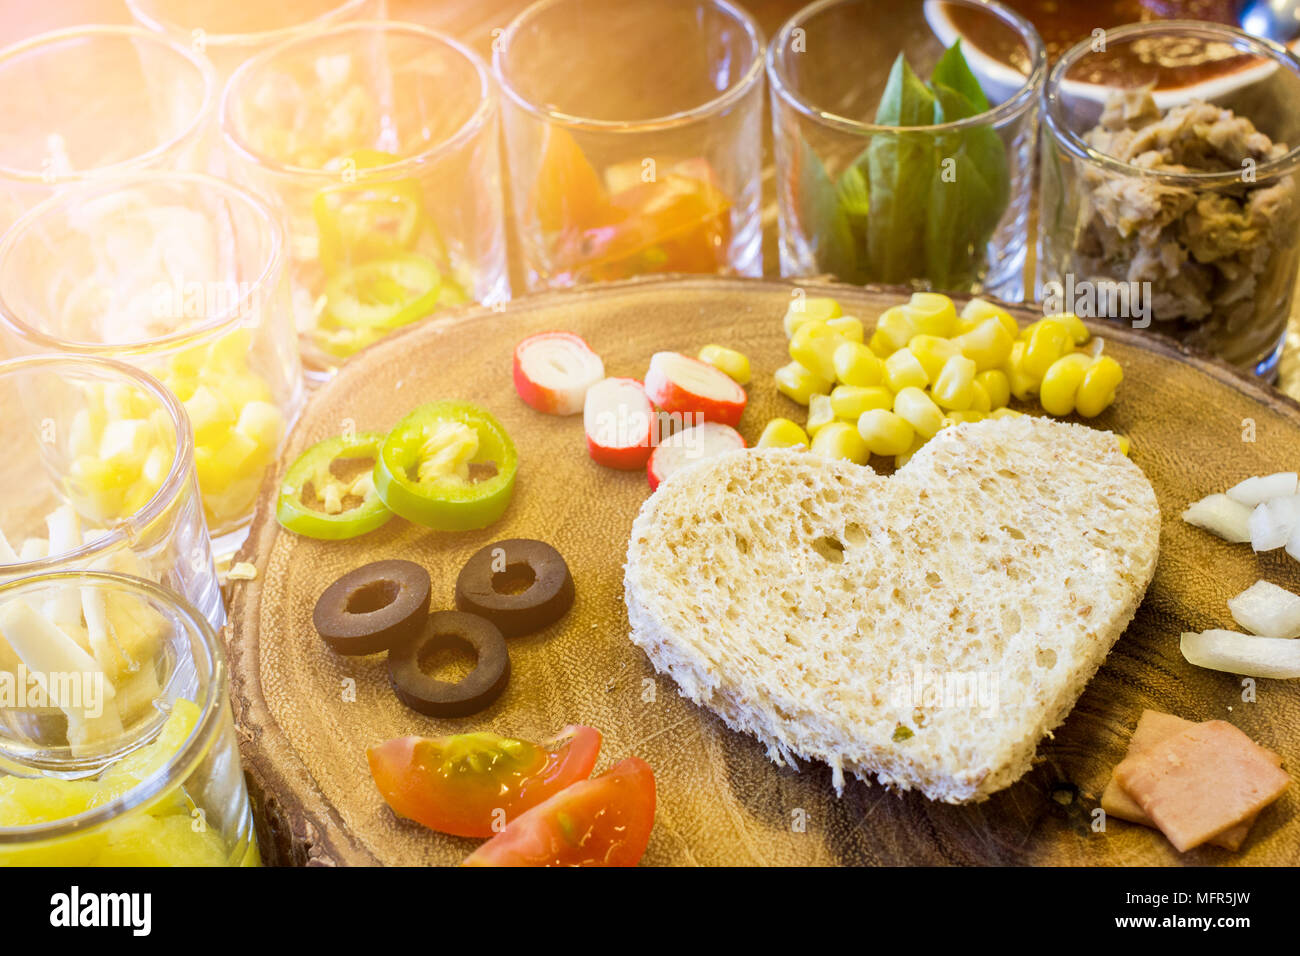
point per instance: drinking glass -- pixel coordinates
(876, 180)
(377, 142)
(634, 138)
(1176, 211)
(117, 746)
(95, 101)
(181, 275)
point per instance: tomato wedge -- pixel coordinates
(604, 821)
(473, 784)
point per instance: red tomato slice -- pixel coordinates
(604, 821)
(474, 784)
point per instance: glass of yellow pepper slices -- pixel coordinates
(385, 164)
(181, 275)
(98, 473)
(117, 746)
(924, 368)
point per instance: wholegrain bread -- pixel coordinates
(925, 629)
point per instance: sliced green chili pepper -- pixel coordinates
(362, 220)
(447, 465)
(383, 294)
(321, 498)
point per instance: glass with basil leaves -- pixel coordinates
(904, 136)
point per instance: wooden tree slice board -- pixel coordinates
(307, 715)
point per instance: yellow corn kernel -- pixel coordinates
(782, 433)
(917, 444)
(847, 327)
(855, 364)
(799, 384)
(1021, 383)
(848, 402)
(1005, 413)
(813, 346)
(894, 329)
(977, 310)
(803, 310)
(840, 440)
(988, 344)
(1099, 384)
(1125, 444)
(885, 433)
(1061, 383)
(932, 313)
(997, 387)
(932, 351)
(1074, 325)
(904, 370)
(728, 361)
(958, 417)
(955, 387)
(980, 401)
(1048, 342)
(918, 410)
(820, 414)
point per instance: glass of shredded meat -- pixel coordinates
(1170, 196)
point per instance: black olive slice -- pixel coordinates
(519, 584)
(373, 607)
(439, 698)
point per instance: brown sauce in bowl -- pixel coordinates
(1063, 23)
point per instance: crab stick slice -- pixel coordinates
(618, 419)
(679, 383)
(554, 370)
(705, 440)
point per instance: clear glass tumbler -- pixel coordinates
(901, 159)
(378, 143)
(117, 746)
(98, 474)
(228, 32)
(1169, 195)
(182, 275)
(89, 102)
(634, 137)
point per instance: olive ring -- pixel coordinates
(373, 607)
(519, 584)
(437, 698)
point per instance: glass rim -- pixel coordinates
(1023, 99)
(1074, 144)
(207, 76)
(235, 316)
(180, 765)
(158, 24)
(737, 91)
(169, 489)
(473, 124)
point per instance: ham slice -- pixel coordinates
(1201, 781)
(1152, 727)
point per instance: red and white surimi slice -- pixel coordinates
(681, 384)
(618, 420)
(553, 371)
(690, 445)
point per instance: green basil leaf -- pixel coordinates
(953, 72)
(822, 218)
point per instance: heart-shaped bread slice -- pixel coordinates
(927, 629)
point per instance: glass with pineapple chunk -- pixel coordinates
(181, 275)
(117, 746)
(378, 143)
(98, 473)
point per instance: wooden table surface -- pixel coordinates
(473, 22)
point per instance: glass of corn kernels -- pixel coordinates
(181, 275)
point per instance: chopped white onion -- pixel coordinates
(1220, 515)
(1243, 654)
(1267, 610)
(1271, 525)
(1263, 488)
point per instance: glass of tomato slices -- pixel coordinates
(378, 144)
(633, 133)
(117, 746)
(182, 275)
(89, 102)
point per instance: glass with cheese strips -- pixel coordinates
(117, 746)
(98, 473)
(181, 275)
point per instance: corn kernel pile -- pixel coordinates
(926, 368)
